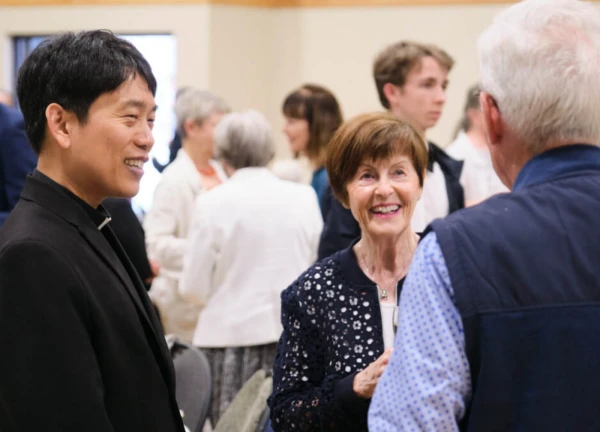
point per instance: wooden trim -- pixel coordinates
(380, 3)
(255, 3)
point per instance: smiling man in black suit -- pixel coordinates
(83, 347)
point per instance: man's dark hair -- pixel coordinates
(73, 70)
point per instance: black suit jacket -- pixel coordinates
(82, 349)
(130, 233)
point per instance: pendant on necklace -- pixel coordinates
(384, 294)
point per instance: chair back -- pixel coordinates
(194, 383)
(246, 413)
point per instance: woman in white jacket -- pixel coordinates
(167, 223)
(250, 238)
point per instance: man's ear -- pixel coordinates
(492, 119)
(391, 93)
(60, 123)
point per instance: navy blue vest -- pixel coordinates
(525, 268)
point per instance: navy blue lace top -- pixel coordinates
(331, 331)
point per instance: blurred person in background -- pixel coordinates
(411, 80)
(17, 159)
(175, 144)
(167, 223)
(6, 98)
(312, 115)
(288, 169)
(478, 178)
(249, 239)
(339, 316)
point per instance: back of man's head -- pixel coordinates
(540, 61)
(396, 61)
(73, 70)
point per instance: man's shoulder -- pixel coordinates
(485, 214)
(22, 243)
(298, 190)
(266, 185)
(29, 221)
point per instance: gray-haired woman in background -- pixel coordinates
(192, 173)
(250, 238)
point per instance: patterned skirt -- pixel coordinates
(231, 368)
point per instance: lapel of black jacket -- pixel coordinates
(63, 206)
(452, 170)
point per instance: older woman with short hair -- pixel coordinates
(192, 173)
(250, 237)
(339, 316)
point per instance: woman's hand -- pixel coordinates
(366, 380)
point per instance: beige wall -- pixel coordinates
(190, 24)
(254, 56)
(242, 57)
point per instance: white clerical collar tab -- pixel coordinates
(103, 224)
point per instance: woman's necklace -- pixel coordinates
(383, 292)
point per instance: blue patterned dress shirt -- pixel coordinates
(427, 384)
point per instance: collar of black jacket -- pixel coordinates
(100, 216)
(57, 199)
(451, 168)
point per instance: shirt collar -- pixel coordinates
(318, 171)
(244, 173)
(558, 162)
(99, 216)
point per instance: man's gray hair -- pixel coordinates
(243, 140)
(197, 105)
(540, 60)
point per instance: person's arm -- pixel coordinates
(303, 396)
(18, 161)
(49, 375)
(427, 383)
(160, 226)
(196, 283)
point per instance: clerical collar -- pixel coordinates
(99, 216)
